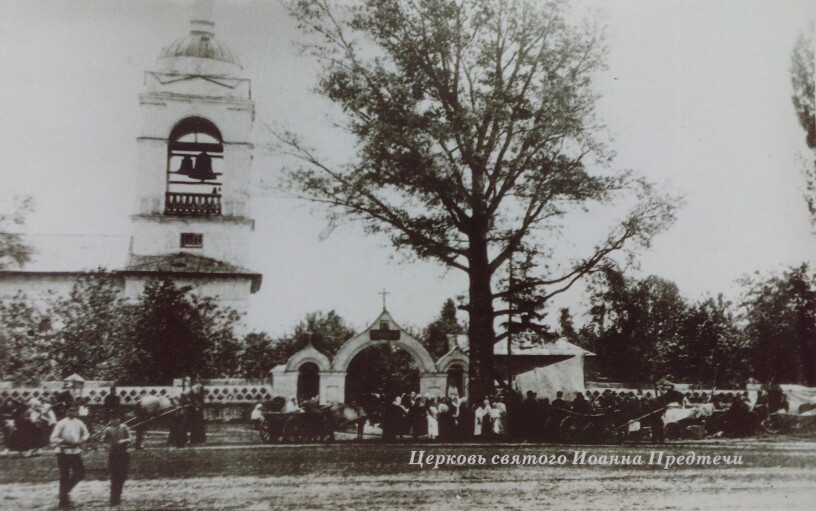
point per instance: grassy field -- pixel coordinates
(774, 475)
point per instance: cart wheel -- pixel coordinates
(570, 429)
(771, 424)
(266, 432)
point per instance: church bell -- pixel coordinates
(186, 167)
(203, 168)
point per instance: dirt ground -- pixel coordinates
(776, 474)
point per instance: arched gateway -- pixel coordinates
(433, 376)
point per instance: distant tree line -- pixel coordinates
(643, 330)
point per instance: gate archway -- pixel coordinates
(308, 383)
(332, 375)
(386, 330)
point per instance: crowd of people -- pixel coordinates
(65, 423)
(508, 415)
(422, 416)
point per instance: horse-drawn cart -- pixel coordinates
(591, 428)
(300, 426)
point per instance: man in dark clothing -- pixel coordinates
(62, 401)
(111, 404)
(530, 417)
(581, 405)
(393, 419)
(559, 403)
(672, 396)
(545, 411)
(197, 425)
(655, 420)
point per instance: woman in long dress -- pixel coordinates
(496, 417)
(482, 416)
(433, 421)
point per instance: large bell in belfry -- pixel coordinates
(203, 168)
(186, 167)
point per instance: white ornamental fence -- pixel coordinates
(222, 402)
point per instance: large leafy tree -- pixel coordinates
(91, 323)
(26, 338)
(709, 348)
(258, 355)
(780, 315)
(476, 136)
(325, 331)
(634, 326)
(173, 332)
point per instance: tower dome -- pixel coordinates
(200, 43)
(199, 52)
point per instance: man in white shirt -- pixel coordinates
(68, 436)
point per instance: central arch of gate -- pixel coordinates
(383, 330)
(434, 377)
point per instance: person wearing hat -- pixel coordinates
(117, 436)
(68, 436)
(111, 404)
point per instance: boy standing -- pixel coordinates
(117, 436)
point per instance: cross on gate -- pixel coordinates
(383, 293)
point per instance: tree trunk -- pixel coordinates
(480, 329)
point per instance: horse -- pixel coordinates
(340, 415)
(170, 410)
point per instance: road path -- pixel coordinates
(774, 475)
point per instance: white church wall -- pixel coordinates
(151, 186)
(224, 239)
(236, 190)
(232, 117)
(40, 289)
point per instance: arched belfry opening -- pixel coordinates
(195, 157)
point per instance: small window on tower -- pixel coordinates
(192, 240)
(383, 325)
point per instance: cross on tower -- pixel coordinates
(383, 293)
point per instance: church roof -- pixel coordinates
(559, 347)
(200, 43)
(524, 345)
(186, 263)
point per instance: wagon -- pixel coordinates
(310, 426)
(592, 428)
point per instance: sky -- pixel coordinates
(696, 98)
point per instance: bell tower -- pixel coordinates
(195, 151)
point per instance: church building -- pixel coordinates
(191, 220)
